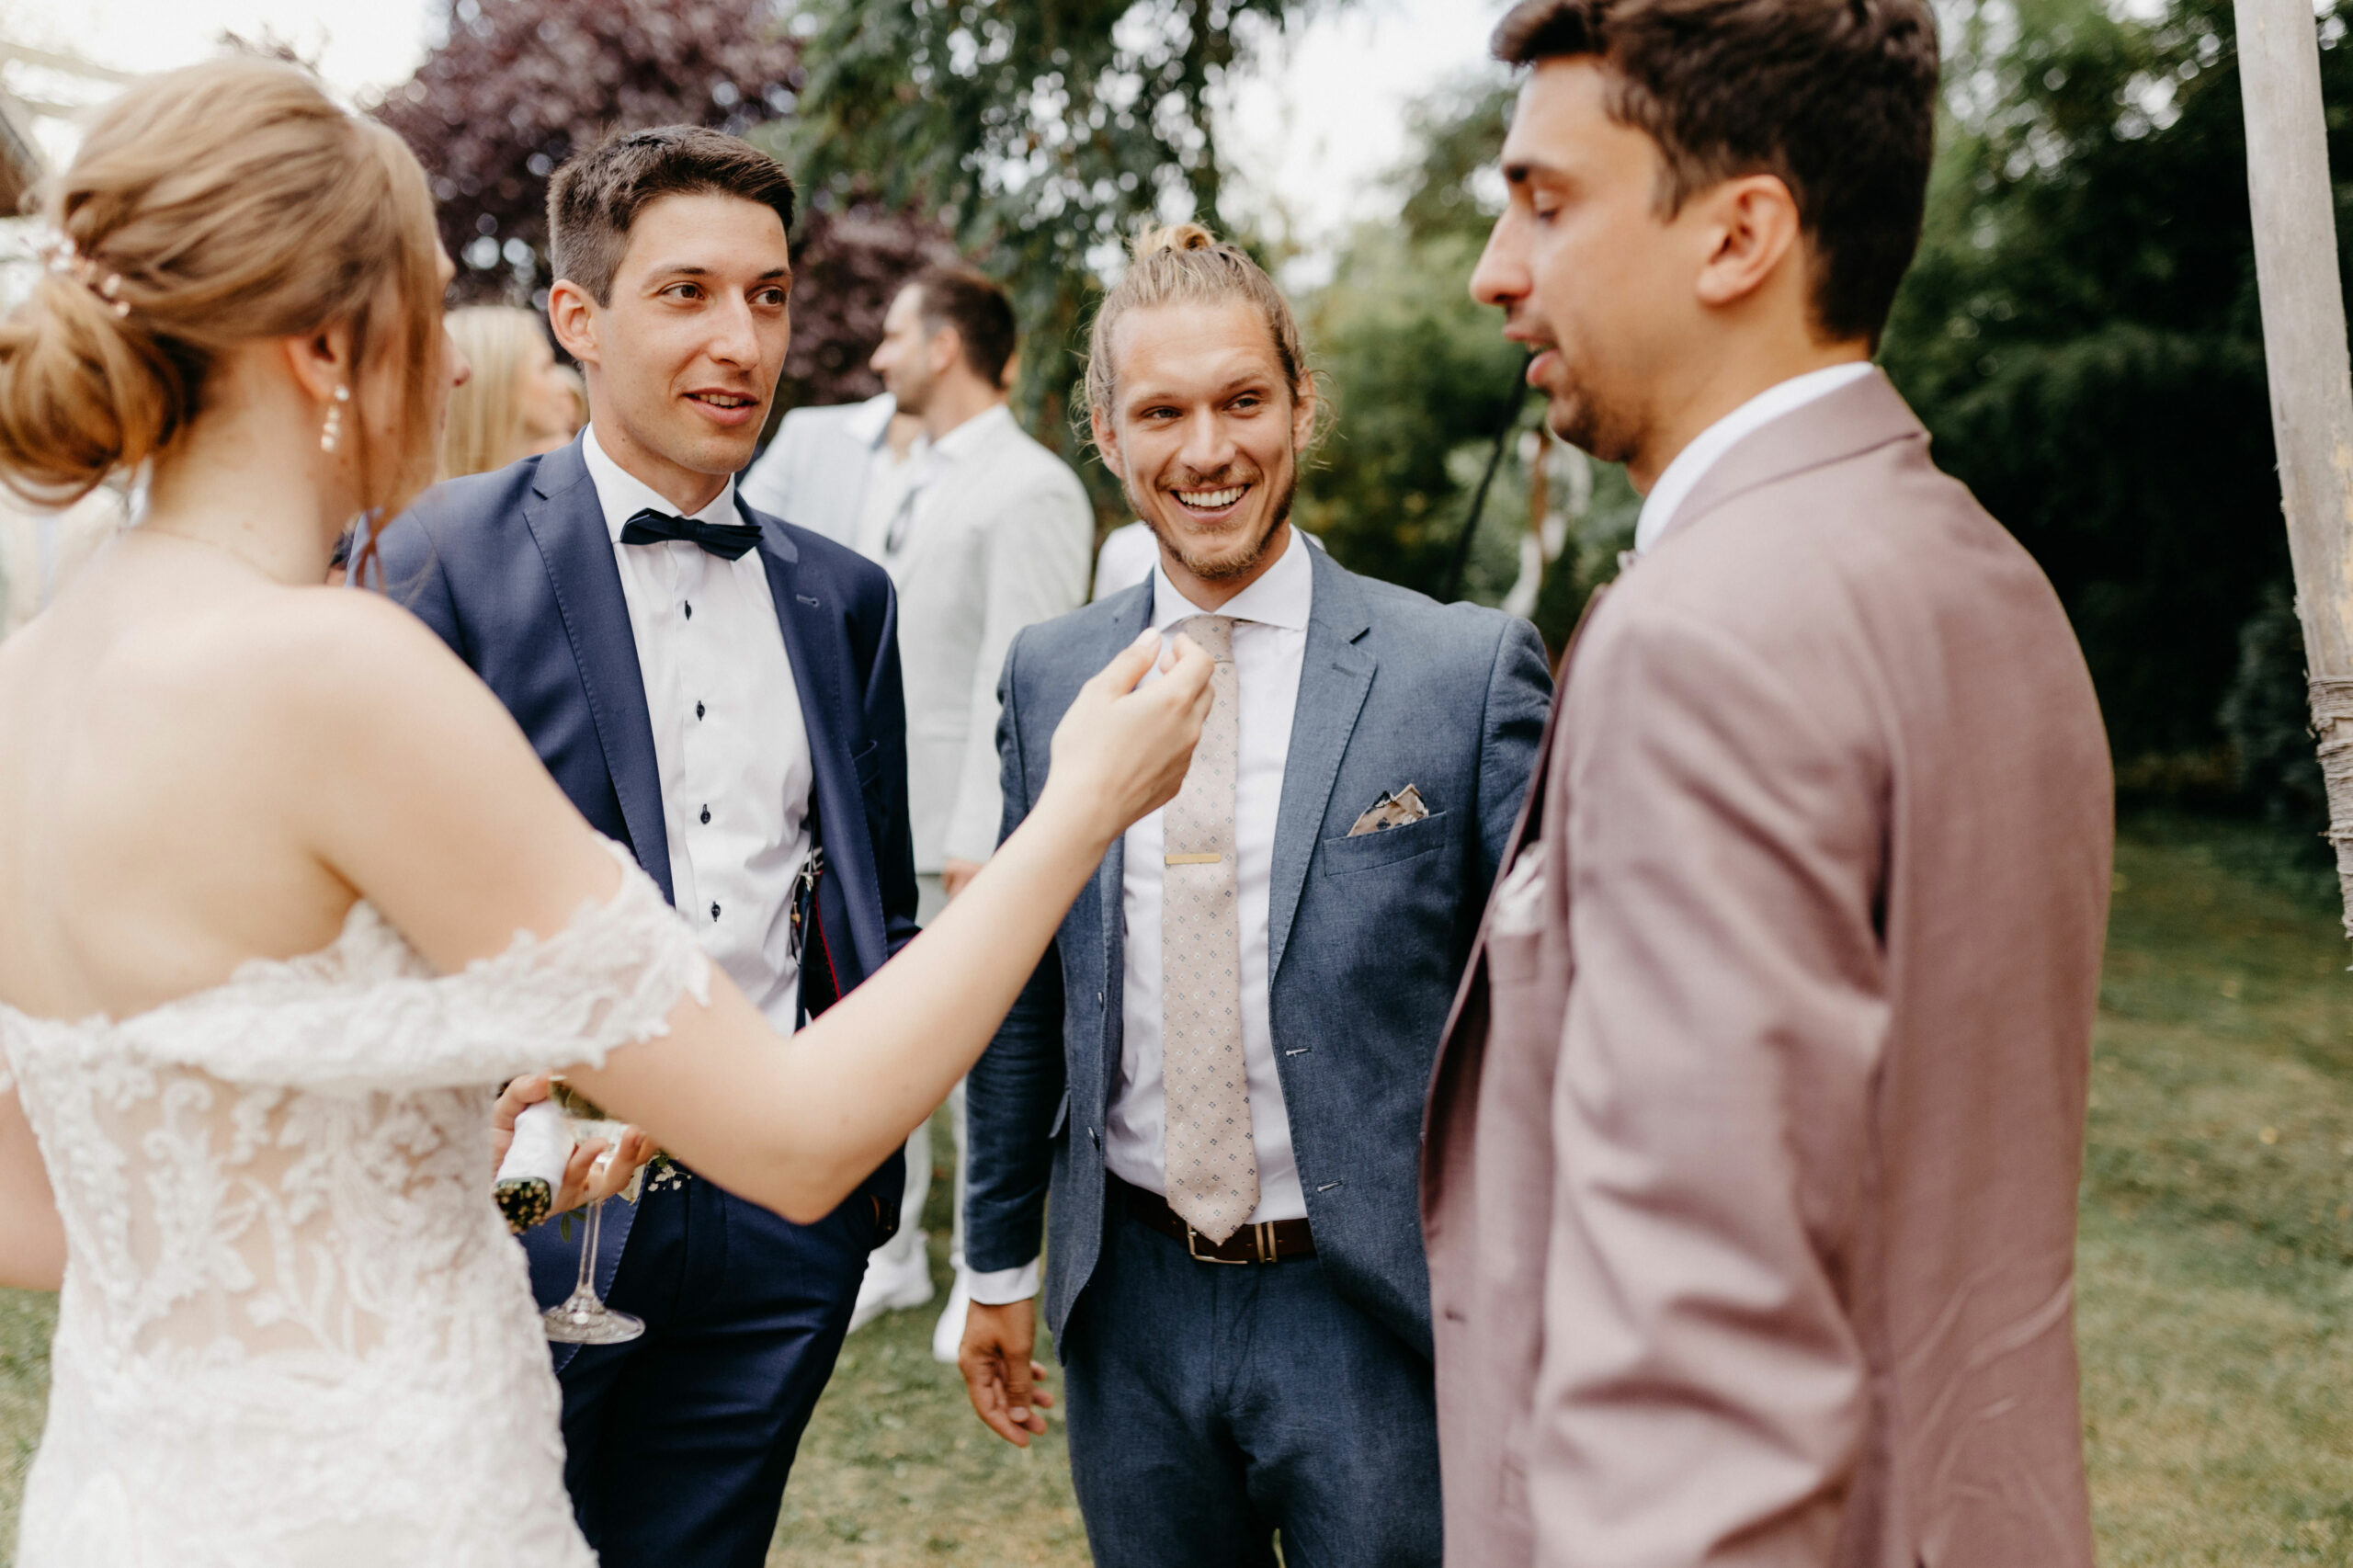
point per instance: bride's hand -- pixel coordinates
(589, 1176)
(1121, 753)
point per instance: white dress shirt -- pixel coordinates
(729, 739)
(1692, 463)
(1269, 645)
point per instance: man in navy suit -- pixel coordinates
(719, 691)
(1217, 1071)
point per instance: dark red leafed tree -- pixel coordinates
(520, 85)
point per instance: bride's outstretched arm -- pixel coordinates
(451, 827)
(798, 1123)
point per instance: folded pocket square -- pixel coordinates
(1392, 811)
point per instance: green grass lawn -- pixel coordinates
(2216, 1289)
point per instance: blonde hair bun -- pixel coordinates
(207, 208)
(1167, 237)
(83, 393)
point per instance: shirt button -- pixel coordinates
(715, 911)
(706, 816)
(690, 609)
(698, 709)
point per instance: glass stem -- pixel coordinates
(588, 1251)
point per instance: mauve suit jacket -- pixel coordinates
(1749, 1174)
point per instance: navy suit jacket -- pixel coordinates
(515, 571)
(1367, 936)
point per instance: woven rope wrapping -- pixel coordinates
(2332, 702)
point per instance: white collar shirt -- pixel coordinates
(1269, 645)
(929, 462)
(1691, 464)
(1270, 620)
(729, 740)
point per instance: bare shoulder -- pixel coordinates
(305, 671)
(303, 643)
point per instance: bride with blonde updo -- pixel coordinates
(284, 896)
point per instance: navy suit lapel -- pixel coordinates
(814, 644)
(1334, 677)
(568, 524)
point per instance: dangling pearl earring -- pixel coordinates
(331, 434)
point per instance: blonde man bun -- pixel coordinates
(1173, 237)
(1184, 263)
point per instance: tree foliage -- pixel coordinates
(1422, 377)
(1041, 131)
(518, 85)
(2082, 335)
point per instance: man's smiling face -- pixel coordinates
(1205, 433)
(683, 358)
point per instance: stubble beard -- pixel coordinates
(1586, 422)
(1218, 568)
(916, 396)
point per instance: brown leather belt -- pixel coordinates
(1274, 1240)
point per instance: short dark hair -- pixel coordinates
(971, 303)
(1837, 99)
(595, 197)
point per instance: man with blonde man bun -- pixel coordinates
(1217, 1072)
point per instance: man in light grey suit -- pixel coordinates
(1218, 1072)
(827, 463)
(984, 532)
(1751, 1176)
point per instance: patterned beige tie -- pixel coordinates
(1213, 1166)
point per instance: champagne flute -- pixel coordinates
(582, 1318)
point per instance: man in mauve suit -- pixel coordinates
(1749, 1178)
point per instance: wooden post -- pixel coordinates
(2305, 349)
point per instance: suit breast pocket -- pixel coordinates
(1390, 846)
(867, 764)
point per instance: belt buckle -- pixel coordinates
(1191, 1236)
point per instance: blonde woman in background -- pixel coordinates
(517, 404)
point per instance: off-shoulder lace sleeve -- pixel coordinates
(368, 1014)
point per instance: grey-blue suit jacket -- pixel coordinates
(1367, 936)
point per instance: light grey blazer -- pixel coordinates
(813, 473)
(1003, 540)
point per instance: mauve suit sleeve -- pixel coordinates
(1701, 1397)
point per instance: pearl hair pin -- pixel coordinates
(57, 248)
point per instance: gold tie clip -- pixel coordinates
(1193, 859)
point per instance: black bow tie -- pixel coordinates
(730, 542)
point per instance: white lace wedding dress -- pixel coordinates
(293, 1328)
